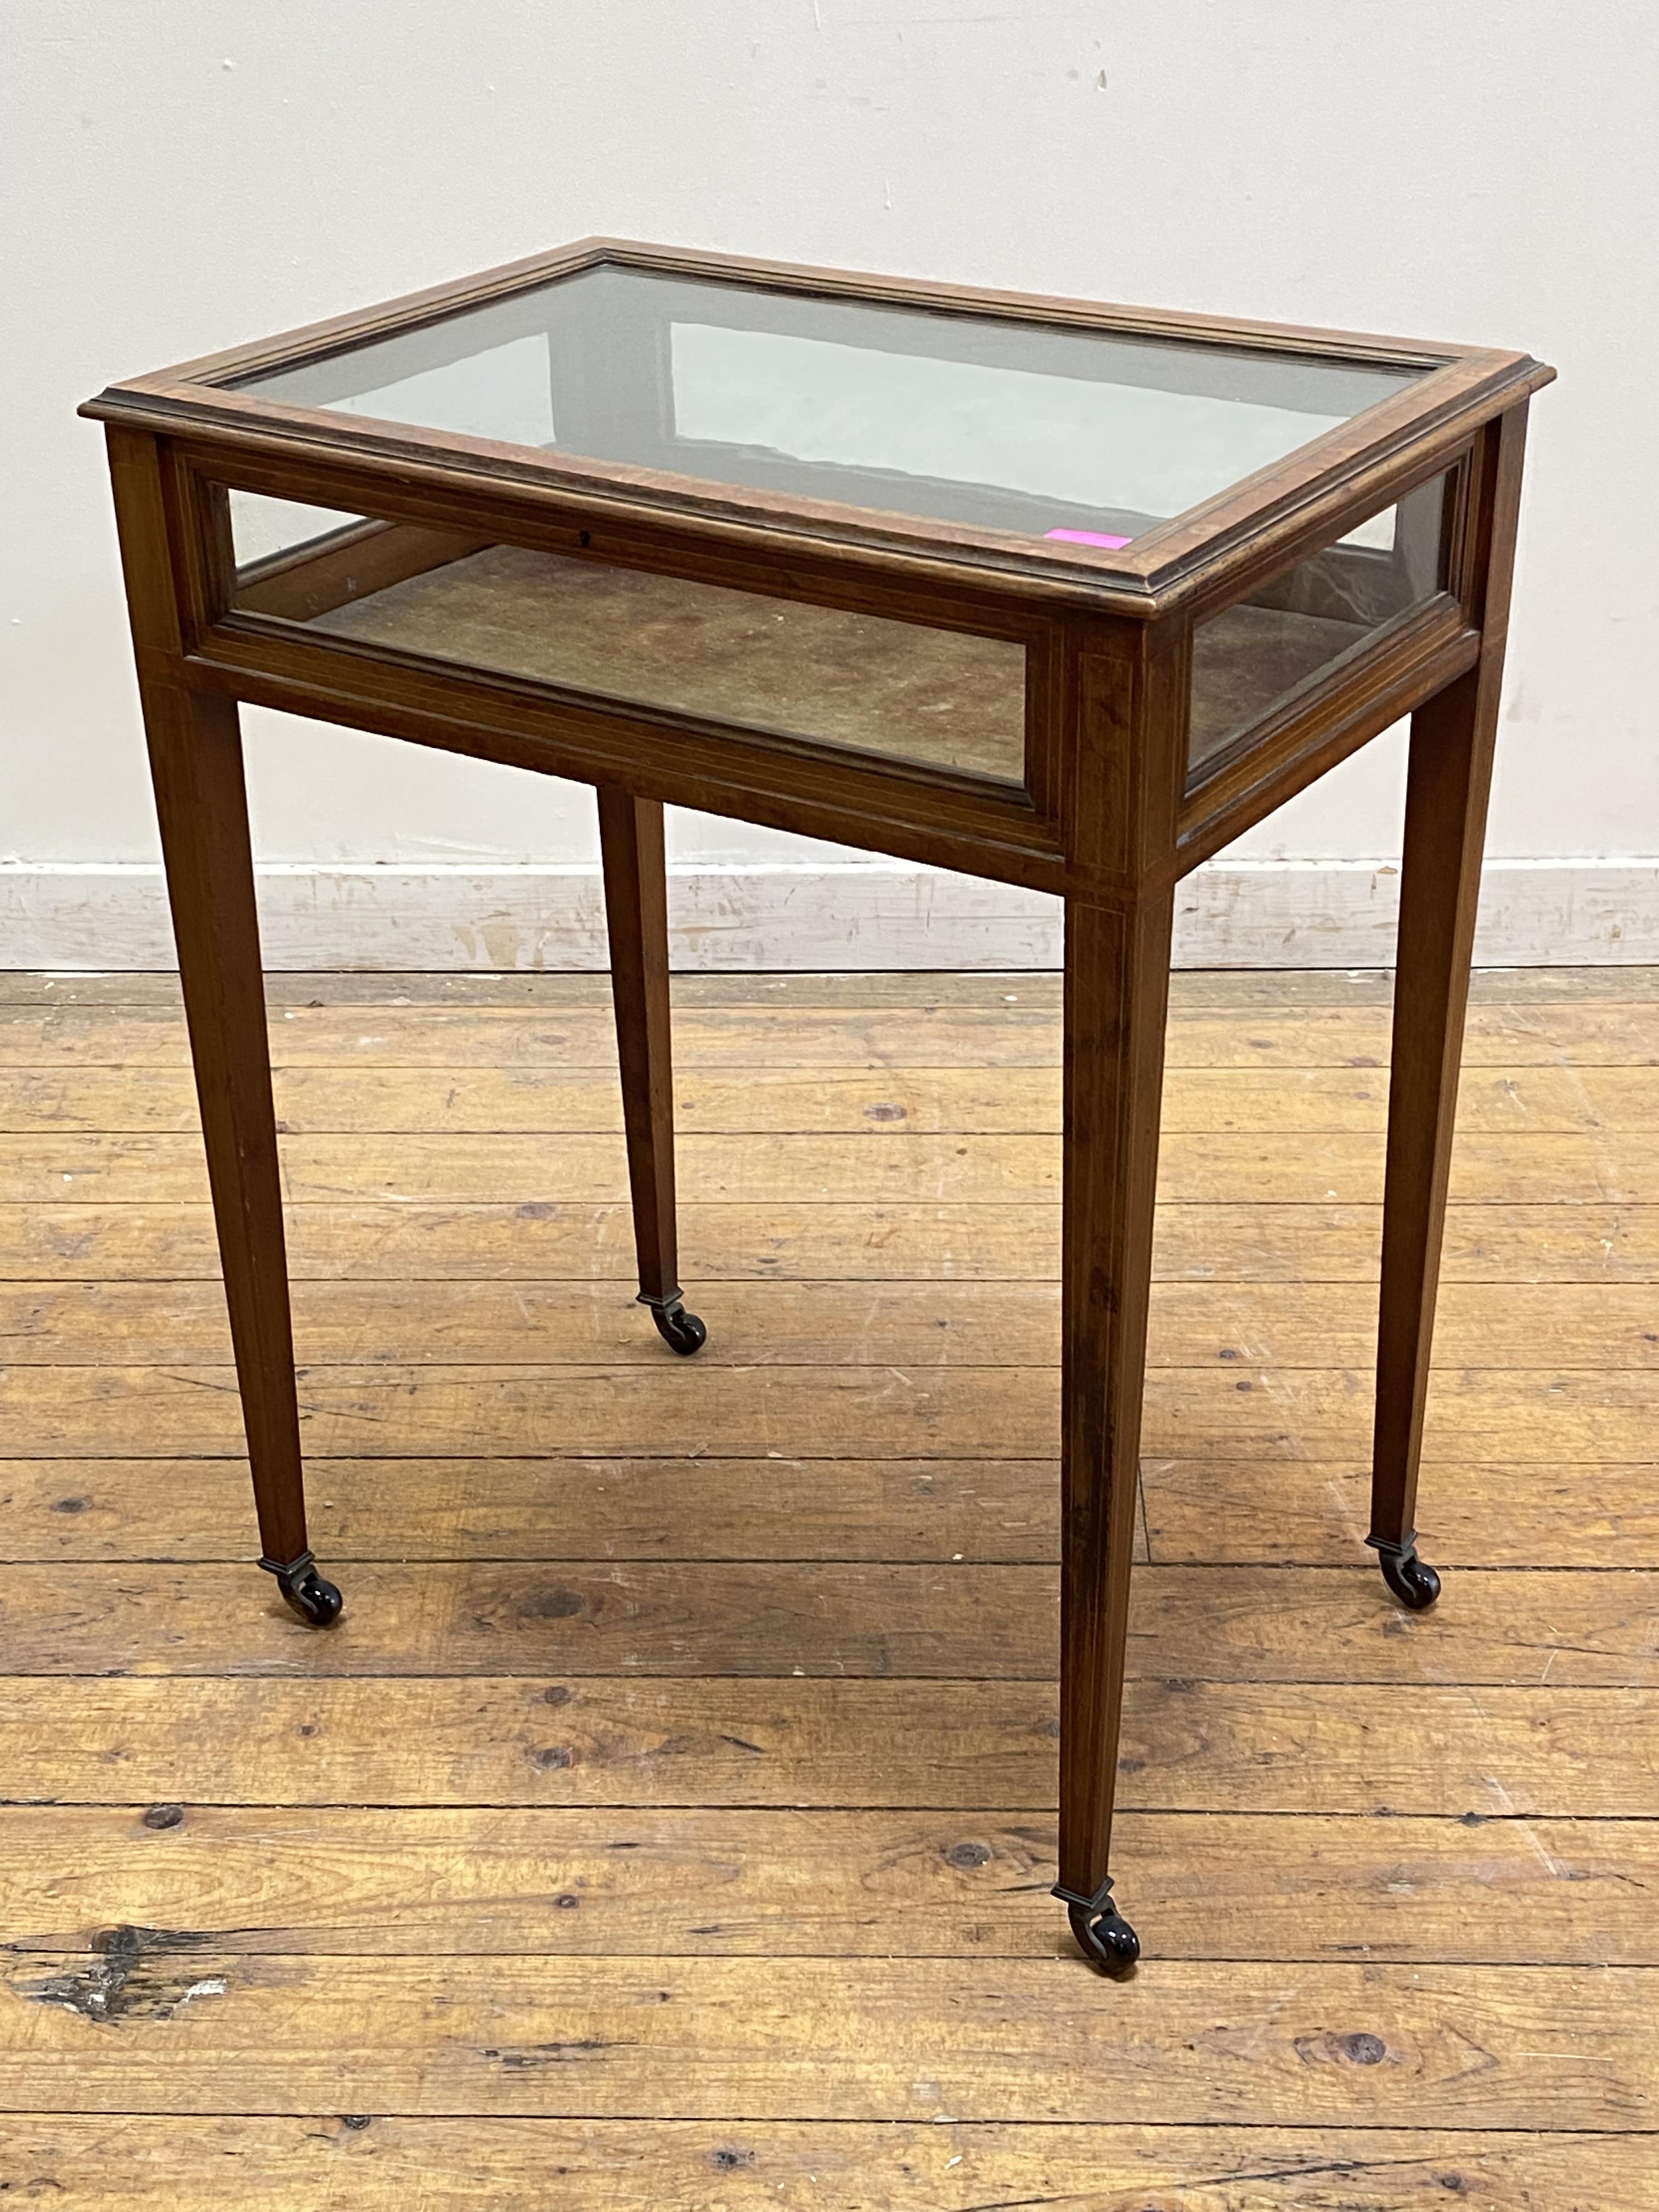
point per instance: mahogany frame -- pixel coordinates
(1108, 819)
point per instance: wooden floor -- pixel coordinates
(669, 1821)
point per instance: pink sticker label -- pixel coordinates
(1088, 538)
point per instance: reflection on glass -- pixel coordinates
(260, 526)
(504, 392)
(1252, 658)
(989, 422)
(895, 687)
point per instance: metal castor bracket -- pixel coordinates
(1103, 1935)
(311, 1595)
(1413, 1580)
(680, 1331)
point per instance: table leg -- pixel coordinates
(1447, 780)
(1117, 988)
(196, 764)
(636, 911)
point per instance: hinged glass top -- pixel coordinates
(1080, 434)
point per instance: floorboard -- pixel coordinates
(669, 1821)
(387, 2164)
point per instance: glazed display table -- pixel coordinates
(1065, 595)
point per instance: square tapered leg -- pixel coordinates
(1448, 778)
(196, 763)
(1117, 984)
(636, 912)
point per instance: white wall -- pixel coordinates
(182, 174)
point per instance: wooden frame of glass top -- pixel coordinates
(1163, 683)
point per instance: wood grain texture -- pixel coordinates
(636, 920)
(1012, 2038)
(1448, 778)
(1252, 1512)
(597, 1509)
(384, 2164)
(1297, 1624)
(466, 1100)
(1188, 1745)
(975, 1242)
(195, 745)
(1197, 1511)
(1536, 1168)
(784, 1323)
(1380, 1864)
(387, 1883)
(859, 1412)
(1593, 1032)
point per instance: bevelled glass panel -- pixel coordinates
(1045, 429)
(1253, 657)
(905, 689)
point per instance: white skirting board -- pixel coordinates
(1230, 914)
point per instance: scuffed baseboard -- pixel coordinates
(1232, 913)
